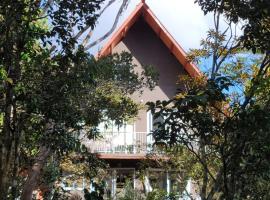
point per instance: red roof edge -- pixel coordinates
(121, 32)
(159, 29)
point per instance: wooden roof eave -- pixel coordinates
(121, 32)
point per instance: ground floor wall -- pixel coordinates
(122, 180)
(134, 183)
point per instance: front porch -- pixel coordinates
(118, 181)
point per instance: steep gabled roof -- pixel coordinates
(143, 10)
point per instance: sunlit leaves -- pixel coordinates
(67, 16)
(254, 16)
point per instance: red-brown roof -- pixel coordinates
(143, 10)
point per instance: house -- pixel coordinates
(124, 147)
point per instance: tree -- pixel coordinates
(90, 92)
(19, 31)
(51, 89)
(254, 16)
(227, 136)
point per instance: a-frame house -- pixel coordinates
(142, 35)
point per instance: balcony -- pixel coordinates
(116, 142)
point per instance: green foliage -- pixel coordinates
(73, 98)
(129, 193)
(217, 130)
(97, 194)
(50, 174)
(78, 95)
(158, 194)
(254, 15)
(231, 143)
(51, 90)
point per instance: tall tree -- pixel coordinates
(223, 119)
(51, 89)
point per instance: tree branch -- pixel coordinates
(46, 7)
(79, 34)
(265, 64)
(120, 11)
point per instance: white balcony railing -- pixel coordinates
(121, 142)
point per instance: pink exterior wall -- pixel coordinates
(147, 49)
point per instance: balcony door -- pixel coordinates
(119, 139)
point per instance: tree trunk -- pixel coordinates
(34, 174)
(6, 144)
(4, 185)
(7, 167)
(205, 176)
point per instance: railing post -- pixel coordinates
(134, 141)
(125, 140)
(112, 149)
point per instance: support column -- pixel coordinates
(125, 139)
(135, 138)
(114, 174)
(147, 183)
(189, 186)
(134, 179)
(91, 188)
(168, 183)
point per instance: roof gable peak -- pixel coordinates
(149, 17)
